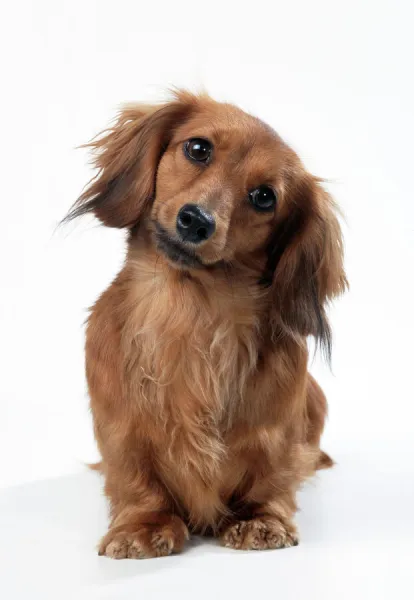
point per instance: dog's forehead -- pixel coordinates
(229, 127)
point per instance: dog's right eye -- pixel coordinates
(198, 150)
(263, 198)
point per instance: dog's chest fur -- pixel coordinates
(188, 357)
(185, 345)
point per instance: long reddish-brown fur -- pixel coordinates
(205, 415)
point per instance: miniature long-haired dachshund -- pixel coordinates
(205, 415)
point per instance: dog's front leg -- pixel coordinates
(267, 526)
(262, 503)
(143, 523)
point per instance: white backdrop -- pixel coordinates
(335, 79)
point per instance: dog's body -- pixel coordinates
(204, 412)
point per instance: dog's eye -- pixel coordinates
(263, 198)
(198, 150)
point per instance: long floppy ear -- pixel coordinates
(127, 156)
(306, 258)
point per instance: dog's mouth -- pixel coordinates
(174, 250)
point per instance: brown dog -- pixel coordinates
(196, 355)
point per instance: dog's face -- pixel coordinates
(215, 187)
(219, 187)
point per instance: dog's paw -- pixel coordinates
(144, 540)
(260, 534)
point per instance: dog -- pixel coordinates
(205, 414)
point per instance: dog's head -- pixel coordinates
(217, 187)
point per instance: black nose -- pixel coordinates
(194, 224)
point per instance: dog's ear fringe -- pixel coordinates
(85, 204)
(305, 265)
(323, 333)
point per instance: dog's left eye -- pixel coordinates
(263, 198)
(198, 150)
